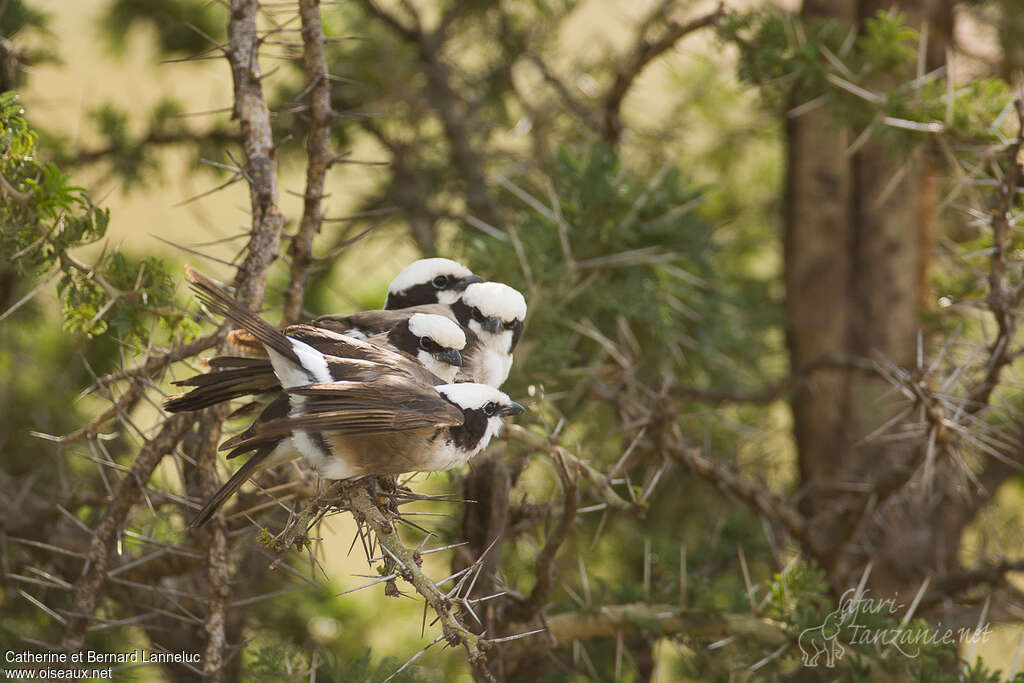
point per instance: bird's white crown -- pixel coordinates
(496, 300)
(469, 396)
(424, 270)
(439, 328)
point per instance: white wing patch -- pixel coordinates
(439, 328)
(312, 366)
(496, 300)
(312, 360)
(425, 270)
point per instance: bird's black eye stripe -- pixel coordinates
(478, 316)
(440, 282)
(490, 409)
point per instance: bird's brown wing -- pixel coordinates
(332, 343)
(376, 322)
(386, 405)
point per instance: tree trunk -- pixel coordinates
(857, 243)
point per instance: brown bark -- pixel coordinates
(857, 242)
(318, 152)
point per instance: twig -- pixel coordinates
(454, 632)
(128, 492)
(545, 565)
(754, 494)
(318, 151)
(606, 622)
(250, 108)
(643, 53)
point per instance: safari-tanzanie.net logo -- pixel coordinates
(826, 643)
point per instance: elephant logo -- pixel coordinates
(823, 640)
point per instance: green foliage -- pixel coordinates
(865, 80)
(624, 255)
(41, 214)
(18, 18)
(43, 217)
(280, 662)
(182, 27)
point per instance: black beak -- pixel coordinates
(449, 356)
(511, 409)
(492, 325)
(460, 285)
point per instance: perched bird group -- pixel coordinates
(412, 387)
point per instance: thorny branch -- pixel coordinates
(752, 493)
(260, 159)
(318, 151)
(609, 621)
(218, 570)
(451, 109)
(85, 157)
(599, 480)
(387, 536)
(545, 564)
(1002, 301)
(89, 586)
(646, 50)
(156, 363)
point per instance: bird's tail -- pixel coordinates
(219, 301)
(237, 377)
(250, 468)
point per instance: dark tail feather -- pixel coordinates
(233, 484)
(219, 386)
(219, 301)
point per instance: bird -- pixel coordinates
(430, 341)
(349, 417)
(429, 281)
(491, 314)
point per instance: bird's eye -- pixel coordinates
(440, 282)
(426, 343)
(478, 316)
(490, 409)
(510, 325)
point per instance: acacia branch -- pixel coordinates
(1002, 301)
(574, 104)
(318, 150)
(956, 583)
(387, 536)
(154, 364)
(754, 494)
(607, 622)
(89, 586)
(643, 53)
(250, 108)
(157, 138)
(545, 565)
(599, 480)
(451, 109)
(218, 572)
